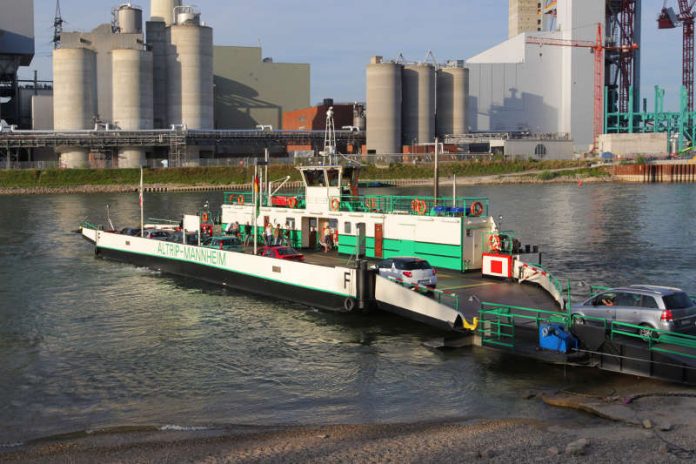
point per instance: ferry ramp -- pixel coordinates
(608, 345)
(439, 310)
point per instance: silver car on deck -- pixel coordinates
(410, 270)
(649, 306)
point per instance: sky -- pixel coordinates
(337, 38)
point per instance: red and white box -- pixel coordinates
(497, 265)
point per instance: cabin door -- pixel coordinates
(379, 237)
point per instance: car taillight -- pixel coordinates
(666, 315)
(408, 273)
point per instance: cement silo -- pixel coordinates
(190, 74)
(163, 10)
(452, 101)
(132, 99)
(130, 19)
(74, 98)
(383, 107)
(418, 106)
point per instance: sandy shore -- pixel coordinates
(632, 429)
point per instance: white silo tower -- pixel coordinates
(132, 88)
(452, 100)
(383, 107)
(163, 11)
(418, 107)
(74, 98)
(130, 19)
(190, 99)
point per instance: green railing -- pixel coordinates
(417, 205)
(657, 339)
(497, 322)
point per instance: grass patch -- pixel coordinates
(56, 178)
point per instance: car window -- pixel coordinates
(679, 300)
(605, 299)
(419, 264)
(627, 299)
(649, 302)
(384, 264)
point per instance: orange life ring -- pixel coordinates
(204, 217)
(230, 199)
(335, 204)
(422, 207)
(494, 242)
(370, 203)
(292, 202)
(415, 206)
(240, 200)
(476, 209)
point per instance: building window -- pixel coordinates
(540, 150)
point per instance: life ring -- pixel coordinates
(240, 200)
(349, 304)
(494, 242)
(204, 217)
(370, 203)
(415, 206)
(292, 202)
(230, 199)
(335, 204)
(476, 209)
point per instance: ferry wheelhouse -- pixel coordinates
(449, 232)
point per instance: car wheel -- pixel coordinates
(647, 333)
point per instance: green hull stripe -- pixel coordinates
(235, 271)
(445, 256)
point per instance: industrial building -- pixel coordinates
(251, 90)
(16, 49)
(132, 75)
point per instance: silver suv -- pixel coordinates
(650, 306)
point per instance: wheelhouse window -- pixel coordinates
(314, 178)
(334, 176)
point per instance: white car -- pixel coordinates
(409, 270)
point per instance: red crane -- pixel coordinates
(669, 20)
(598, 48)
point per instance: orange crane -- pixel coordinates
(597, 47)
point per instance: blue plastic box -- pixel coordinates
(555, 337)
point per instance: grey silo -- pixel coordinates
(452, 101)
(74, 97)
(130, 19)
(157, 42)
(384, 107)
(163, 11)
(132, 98)
(418, 106)
(190, 75)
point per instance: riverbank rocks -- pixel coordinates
(647, 424)
(577, 447)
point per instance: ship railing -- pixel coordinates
(285, 200)
(420, 205)
(498, 323)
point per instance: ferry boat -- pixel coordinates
(454, 234)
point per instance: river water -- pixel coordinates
(87, 343)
